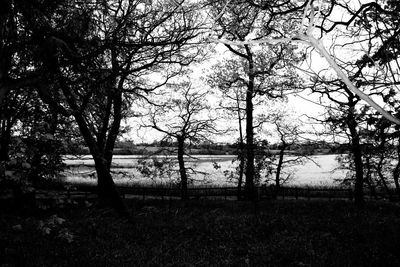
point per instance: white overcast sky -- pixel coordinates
(298, 105)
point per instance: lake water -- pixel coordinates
(210, 170)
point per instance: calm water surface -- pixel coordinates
(124, 171)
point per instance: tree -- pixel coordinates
(259, 71)
(372, 71)
(32, 146)
(290, 134)
(379, 154)
(233, 102)
(346, 117)
(185, 117)
(18, 75)
(96, 57)
(43, 133)
(318, 17)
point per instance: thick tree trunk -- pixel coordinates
(358, 164)
(107, 191)
(182, 169)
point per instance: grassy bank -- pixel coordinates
(204, 233)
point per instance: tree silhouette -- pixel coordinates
(260, 71)
(93, 58)
(184, 117)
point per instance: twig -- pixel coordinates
(309, 39)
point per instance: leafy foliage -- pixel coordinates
(163, 168)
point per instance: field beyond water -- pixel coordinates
(204, 233)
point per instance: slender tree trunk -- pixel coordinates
(241, 148)
(396, 172)
(182, 169)
(5, 139)
(382, 157)
(368, 178)
(3, 92)
(249, 186)
(279, 167)
(34, 171)
(383, 180)
(357, 154)
(241, 172)
(37, 157)
(381, 162)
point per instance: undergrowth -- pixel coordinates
(205, 233)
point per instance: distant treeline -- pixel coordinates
(130, 148)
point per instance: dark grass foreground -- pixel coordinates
(205, 233)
